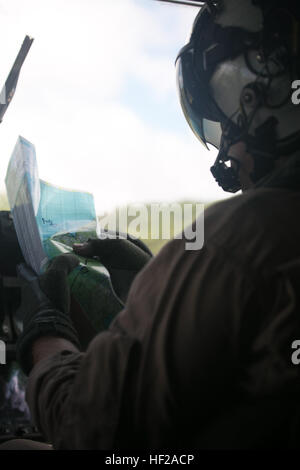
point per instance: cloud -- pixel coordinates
(70, 101)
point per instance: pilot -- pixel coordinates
(201, 355)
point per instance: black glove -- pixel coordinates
(45, 306)
(123, 256)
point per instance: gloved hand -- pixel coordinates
(45, 306)
(123, 256)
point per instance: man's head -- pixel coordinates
(235, 81)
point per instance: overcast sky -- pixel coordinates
(97, 97)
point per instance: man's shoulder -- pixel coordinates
(243, 212)
(261, 225)
(254, 201)
(245, 224)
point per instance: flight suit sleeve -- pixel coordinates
(165, 364)
(75, 398)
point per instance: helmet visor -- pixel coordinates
(196, 102)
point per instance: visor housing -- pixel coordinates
(200, 110)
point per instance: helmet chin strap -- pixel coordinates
(261, 147)
(226, 176)
(263, 165)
